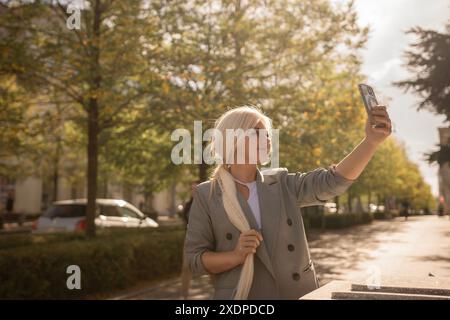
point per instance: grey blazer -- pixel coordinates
(283, 268)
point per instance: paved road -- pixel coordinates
(418, 247)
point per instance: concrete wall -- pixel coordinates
(444, 172)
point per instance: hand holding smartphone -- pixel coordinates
(370, 101)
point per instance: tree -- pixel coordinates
(105, 69)
(12, 124)
(391, 175)
(281, 55)
(429, 59)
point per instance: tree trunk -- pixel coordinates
(56, 175)
(105, 186)
(57, 159)
(387, 204)
(148, 202)
(127, 192)
(349, 201)
(359, 206)
(93, 125)
(92, 167)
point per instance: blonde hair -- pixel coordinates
(243, 117)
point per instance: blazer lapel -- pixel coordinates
(262, 251)
(270, 215)
(247, 211)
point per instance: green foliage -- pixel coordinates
(391, 173)
(382, 215)
(152, 69)
(366, 217)
(110, 262)
(105, 76)
(316, 219)
(344, 220)
(429, 60)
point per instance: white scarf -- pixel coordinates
(239, 220)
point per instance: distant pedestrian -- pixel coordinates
(406, 205)
(10, 201)
(142, 206)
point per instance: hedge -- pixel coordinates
(335, 220)
(108, 262)
(385, 215)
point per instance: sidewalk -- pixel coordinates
(200, 289)
(418, 247)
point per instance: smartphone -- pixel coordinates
(370, 100)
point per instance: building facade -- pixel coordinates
(31, 195)
(444, 174)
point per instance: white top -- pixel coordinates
(252, 200)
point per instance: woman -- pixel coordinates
(245, 227)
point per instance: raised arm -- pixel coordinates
(354, 163)
(318, 186)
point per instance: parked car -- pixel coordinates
(70, 215)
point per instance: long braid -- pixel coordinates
(239, 220)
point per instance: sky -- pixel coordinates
(384, 63)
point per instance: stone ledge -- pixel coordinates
(390, 288)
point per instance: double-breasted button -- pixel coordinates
(229, 236)
(289, 221)
(291, 247)
(296, 276)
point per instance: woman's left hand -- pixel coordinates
(379, 116)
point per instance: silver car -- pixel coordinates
(70, 215)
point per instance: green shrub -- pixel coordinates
(316, 221)
(335, 221)
(385, 215)
(108, 262)
(306, 223)
(20, 240)
(366, 217)
(344, 220)
(352, 219)
(314, 215)
(380, 215)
